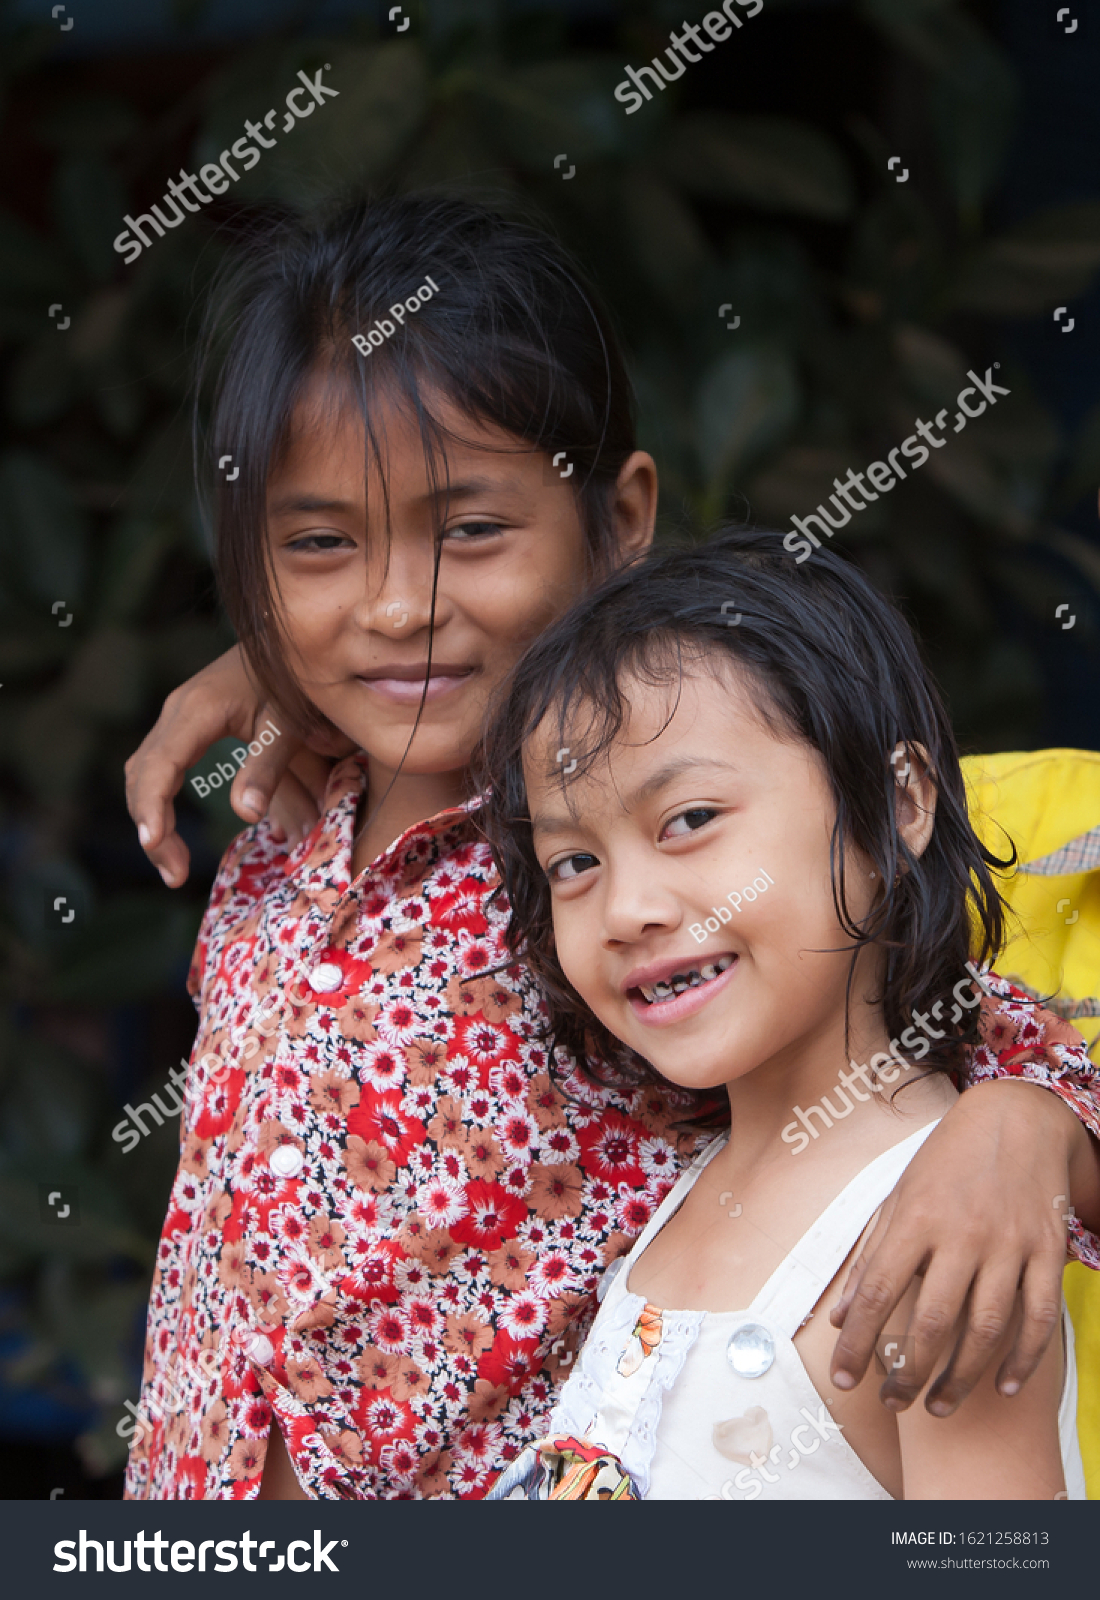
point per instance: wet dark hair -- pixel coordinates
(515, 337)
(828, 661)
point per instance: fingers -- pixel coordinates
(169, 854)
(265, 763)
(1041, 1289)
(205, 708)
(847, 1366)
(868, 1247)
(988, 1308)
(882, 1283)
(293, 811)
(153, 776)
(931, 1327)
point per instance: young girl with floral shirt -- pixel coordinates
(395, 1200)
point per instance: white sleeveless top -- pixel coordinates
(707, 1405)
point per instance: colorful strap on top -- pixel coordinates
(564, 1468)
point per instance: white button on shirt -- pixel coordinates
(287, 1160)
(326, 977)
(261, 1349)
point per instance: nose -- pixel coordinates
(398, 602)
(637, 903)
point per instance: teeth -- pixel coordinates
(681, 981)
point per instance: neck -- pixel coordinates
(807, 1088)
(395, 801)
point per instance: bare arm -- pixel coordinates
(992, 1448)
(974, 1225)
(980, 1218)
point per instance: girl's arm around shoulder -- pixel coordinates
(992, 1448)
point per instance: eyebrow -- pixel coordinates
(469, 487)
(547, 822)
(308, 502)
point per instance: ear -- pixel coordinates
(915, 801)
(634, 509)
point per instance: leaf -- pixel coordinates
(766, 281)
(966, 474)
(1021, 436)
(1049, 258)
(894, 258)
(135, 550)
(42, 382)
(85, 122)
(29, 649)
(927, 29)
(770, 162)
(49, 1106)
(454, 150)
(353, 138)
(43, 534)
(106, 679)
(1083, 474)
(162, 480)
(358, 136)
(1083, 555)
(90, 203)
(933, 369)
(99, 327)
(745, 403)
(795, 481)
(972, 97)
(973, 113)
(53, 744)
(131, 950)
(666, 240)
(553, 108)
(99, 1237)
(29, 264)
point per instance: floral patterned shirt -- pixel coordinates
(390, 1215)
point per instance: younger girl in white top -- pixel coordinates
(730, 817)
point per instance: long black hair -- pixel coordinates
(514, 336)
(830, 662)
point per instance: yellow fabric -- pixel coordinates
(1042, 800)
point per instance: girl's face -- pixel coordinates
(691, 887)
(357, 611)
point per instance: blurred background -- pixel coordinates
(759, 181)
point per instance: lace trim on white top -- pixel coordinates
(586, 1389)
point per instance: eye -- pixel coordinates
(311, 542)
(570, 867)
(471, 532)
(688, 822)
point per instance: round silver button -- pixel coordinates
(261, 1349)
(326, 977)
(751, 1350)
(287, 1160)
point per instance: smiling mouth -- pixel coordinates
(680, 982)
(407, 684)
